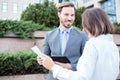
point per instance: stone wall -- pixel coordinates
(11, 43)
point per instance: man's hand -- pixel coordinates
(64, 65)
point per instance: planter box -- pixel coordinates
(25, 77)
(12, 43)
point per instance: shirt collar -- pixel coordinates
(68, 30)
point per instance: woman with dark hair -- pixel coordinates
(100, 58)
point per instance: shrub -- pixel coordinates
(23, 29)
(78, 19)
(44, 14)
(19, 63)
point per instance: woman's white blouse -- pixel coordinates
(99, 61)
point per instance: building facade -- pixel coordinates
(12, 9)
(112, 7)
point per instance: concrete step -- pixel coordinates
(25, 77)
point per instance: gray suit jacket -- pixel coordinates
(74, 48)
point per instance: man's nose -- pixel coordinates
(70, 17)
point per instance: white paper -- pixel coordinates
(37, 51)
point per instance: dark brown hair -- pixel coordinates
(65, 4)
(96, 21)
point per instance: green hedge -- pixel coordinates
(46, 14)
(23, 29)
(42, 13)
(19, 63)
(117, 28)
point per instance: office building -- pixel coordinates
(112, 7)
(12, 9)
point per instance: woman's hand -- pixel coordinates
(46, 61)
(64, 65)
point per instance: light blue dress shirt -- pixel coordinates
(63, 40)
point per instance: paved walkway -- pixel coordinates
(29, 77)
(25, 77)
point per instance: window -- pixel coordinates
(24, 7)
(112, 18)
(73, 1)
(4, 7)
(60, 1)
(110, 8)
(15, 8)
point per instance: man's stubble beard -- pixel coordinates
(66, 26)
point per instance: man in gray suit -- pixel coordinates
(71, 47)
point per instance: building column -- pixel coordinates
(118, 10)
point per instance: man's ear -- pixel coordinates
(58, 14)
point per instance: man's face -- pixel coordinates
(67, 17)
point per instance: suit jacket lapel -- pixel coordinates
(70, 42)
(56, 42)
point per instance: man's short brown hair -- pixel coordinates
(65, 4)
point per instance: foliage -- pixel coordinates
(23, 29)
(78, 19)
(117, 28)
(46, 14)
(19, 63)
(42, 13)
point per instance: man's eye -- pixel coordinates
(72, 15)
(66, 14)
